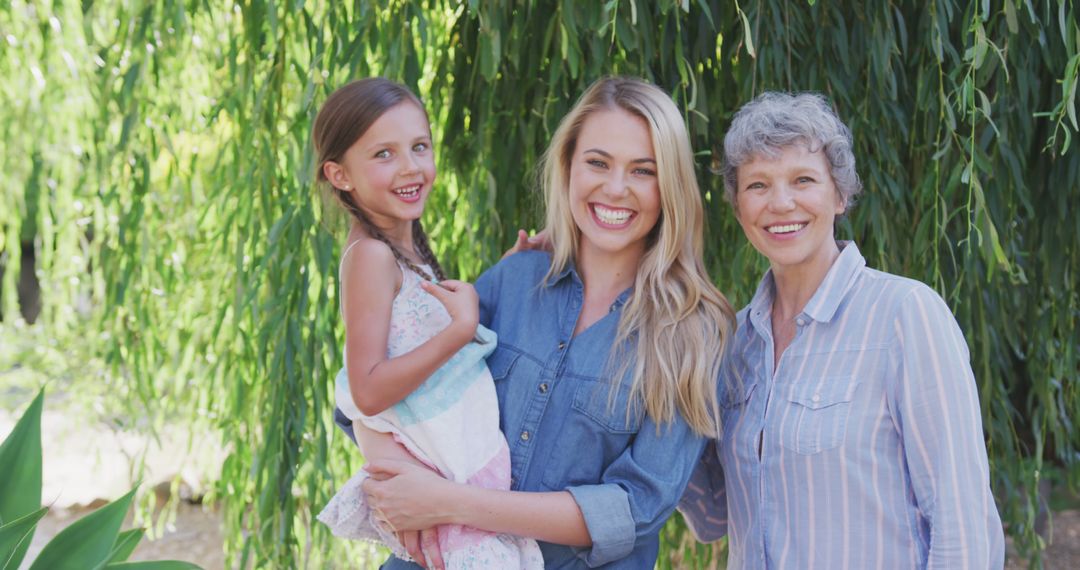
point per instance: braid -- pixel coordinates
(376, 233)
(420, 240)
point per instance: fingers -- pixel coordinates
(443, 289)
(379, 476)
(429, 543)
(521, 244)
(383, 469)
(541, 240)
(453, 285)
(410, 539)
(435, 290)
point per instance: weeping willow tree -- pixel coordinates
(157, 174)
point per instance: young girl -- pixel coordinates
(411, 369)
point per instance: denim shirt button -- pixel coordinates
(543, 388)
(562, 345)
(525, 436)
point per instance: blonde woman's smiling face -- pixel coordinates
(614, 189)
(787, 207)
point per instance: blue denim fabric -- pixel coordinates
(554, 389)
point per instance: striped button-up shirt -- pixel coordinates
(863, 448)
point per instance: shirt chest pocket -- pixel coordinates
(501, 362)
(595, 431)
(817, 413)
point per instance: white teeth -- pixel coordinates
(786, 228)
(613, 217)
(408, 191)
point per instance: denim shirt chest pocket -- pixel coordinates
(598, 427)
(500, 363)
(820, 408)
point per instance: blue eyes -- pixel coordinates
(597, 163)
(417, 148)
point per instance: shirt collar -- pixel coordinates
(570, 270)
(822, 306)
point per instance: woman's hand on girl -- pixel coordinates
(423, 547)
(407, 496)
(461, 302)
(539, 242)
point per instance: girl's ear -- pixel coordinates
(336, 175)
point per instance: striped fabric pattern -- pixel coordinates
(863, 448)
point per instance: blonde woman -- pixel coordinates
(608, 353)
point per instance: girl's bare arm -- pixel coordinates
(371, 279)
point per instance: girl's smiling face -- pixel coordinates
(787, 207)
(614, 191)
(390, 168)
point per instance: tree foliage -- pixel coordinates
(156, 158)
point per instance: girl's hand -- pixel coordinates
(408, 497)
(461, 301)
(540, 242)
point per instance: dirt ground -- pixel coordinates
(1063, 553)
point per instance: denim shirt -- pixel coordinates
(554, 392)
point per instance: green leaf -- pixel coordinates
(125, 544)
(20, 454)
(15, 537)
(1010, 17)
(88, 542)
(746, 31)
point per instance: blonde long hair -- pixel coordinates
(676, 320)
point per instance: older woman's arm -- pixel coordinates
(704, 503)
(938, 415)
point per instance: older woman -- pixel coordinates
(851, 428)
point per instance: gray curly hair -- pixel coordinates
(774, 121)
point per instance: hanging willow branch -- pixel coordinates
(156, 165)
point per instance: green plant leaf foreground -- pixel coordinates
(125, 544)
(20, 483)
(15, 536)
(87, 542)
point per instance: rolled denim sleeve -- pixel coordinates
(704, 503)
(606, 509)
(638, 491)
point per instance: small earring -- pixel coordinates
(347, 187)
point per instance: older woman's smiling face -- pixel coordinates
(786, 206)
